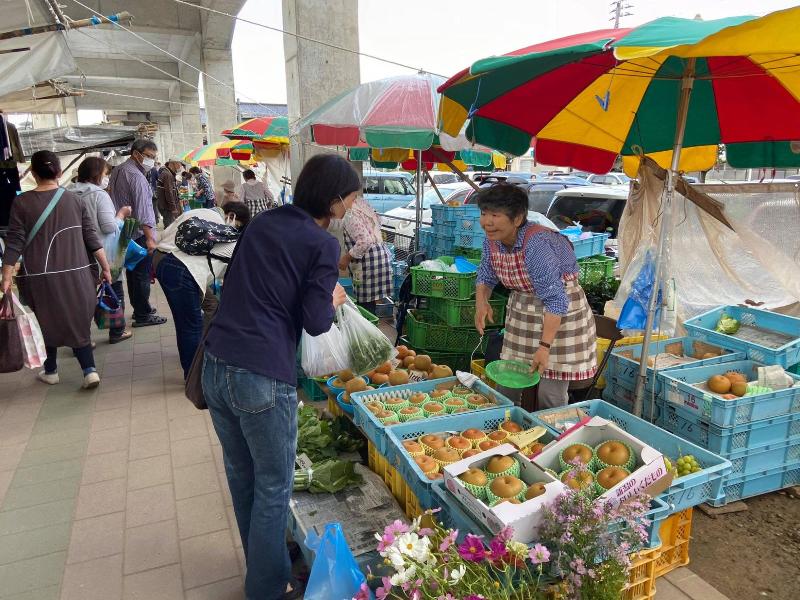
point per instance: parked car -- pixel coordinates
(598, 208)
(451, 193)
(540, 193)
(387, 190)
(609, 179)
(443, 178)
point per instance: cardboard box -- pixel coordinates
(650, 475)
(524, 518)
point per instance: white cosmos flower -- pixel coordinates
(410, 544)
(403, 576)
(457, 574)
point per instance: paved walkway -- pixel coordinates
(119, 493)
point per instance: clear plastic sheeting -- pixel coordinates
(706, 263)
(73, 140)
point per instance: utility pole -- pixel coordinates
(618, 10)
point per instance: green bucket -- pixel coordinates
(512, 374)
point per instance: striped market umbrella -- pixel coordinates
(265, 129)
(672, 89)
(228, 153)
(585, 99)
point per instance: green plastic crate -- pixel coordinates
(425, 330)
(473, 253)
(368, 315)
(312, 390)
(440, 284)
(461, 313)
(595, 268)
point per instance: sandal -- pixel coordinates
(150, 320)
(125, 335)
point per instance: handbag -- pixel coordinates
(109, 312)
(12, 354)
(193, 386)
(31, 336)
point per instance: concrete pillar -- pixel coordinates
(71, 112)
(316, 73)
(220, 101)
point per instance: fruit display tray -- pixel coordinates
(685, 492)
(376, 431)
(485, 419)
(623, 364)
(680, 389)
(764, 336)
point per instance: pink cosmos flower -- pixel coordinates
(539, 554)
(425, 532)
(472, 549)
(474, 597)
(448, 541)
(497, 550)
(396, 528)
(363, 593)
(383, 592)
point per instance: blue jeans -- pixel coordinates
(256, 420)
(184, 298)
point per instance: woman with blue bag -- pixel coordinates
(51, 230)
(91, 189)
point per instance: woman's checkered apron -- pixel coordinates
(573, 355)
(372, 273)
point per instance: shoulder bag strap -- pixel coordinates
(43, 217)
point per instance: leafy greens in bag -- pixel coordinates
(367, 347)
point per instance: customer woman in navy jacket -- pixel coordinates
(282, 279)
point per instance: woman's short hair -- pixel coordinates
(239, 210)
(45, 165)
(325, 179)
(506, 198)
(249, 174)
(92, 169)
(195, 170)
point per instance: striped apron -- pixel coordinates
(573, 355)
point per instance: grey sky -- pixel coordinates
(446, 36)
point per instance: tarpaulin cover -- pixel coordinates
(71, 140)
(708, 263)
(48, 58)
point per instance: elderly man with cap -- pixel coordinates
(228, 193)
(169, 204)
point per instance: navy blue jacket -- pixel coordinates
(280, 280)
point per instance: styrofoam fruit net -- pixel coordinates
(439, 413)
(451, 404)
(513, 470)
(566, 466)
(599, 465)
(590, 489)
(494, 498)
(476, 441)
(479, 491)
(429, 450)
(405, 417)
(396, 406)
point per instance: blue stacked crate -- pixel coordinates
(399, 273)
(759, 432)
(622, 370)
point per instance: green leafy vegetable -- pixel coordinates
(319, 439)
(329, 476)
(727, 325)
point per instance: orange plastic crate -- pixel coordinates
(675, 534)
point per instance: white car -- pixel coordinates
(609, 179)
(403, 219)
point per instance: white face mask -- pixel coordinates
(104, 183)
(148, 163)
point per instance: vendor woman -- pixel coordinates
(549, 323)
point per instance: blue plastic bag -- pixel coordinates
(134, 255)
(634, 311)
(335, 574)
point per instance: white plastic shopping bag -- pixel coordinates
(31, 334)
(367, 347)
(324, 354)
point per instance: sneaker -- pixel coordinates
(150, 320)
(91, 380)
(48, 378)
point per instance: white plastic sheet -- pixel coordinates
(709, 264)
(48, 58)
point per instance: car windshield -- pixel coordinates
(595, 214)
(429, 198)
(396, 186)
(540, 197)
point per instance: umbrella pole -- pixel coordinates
(687, 82)
(420, 184)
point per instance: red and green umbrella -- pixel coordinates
(583, 100)
(227, 154)
(265, 129)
